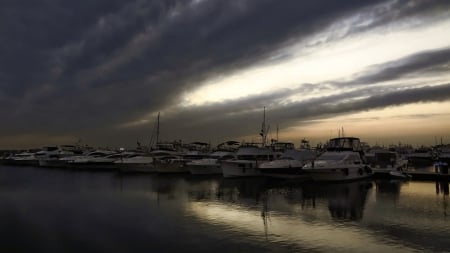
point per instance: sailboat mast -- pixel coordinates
(263, 129)
(277, 132)
(157, 130)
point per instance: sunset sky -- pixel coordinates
(101, 70)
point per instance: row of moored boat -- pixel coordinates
(341, 159)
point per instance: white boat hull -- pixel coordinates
(144, 164)
(284, 169)
(53, 163)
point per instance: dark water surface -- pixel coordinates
(44, 210)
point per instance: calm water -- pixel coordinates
(44, 210)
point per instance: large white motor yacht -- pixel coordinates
(136, 163)
(96, 160)
(387, 164)
(343, 160)
(248, 158)
(209, 165)
(289, 165)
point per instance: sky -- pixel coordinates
(100, 71)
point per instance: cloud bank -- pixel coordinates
(87, 69)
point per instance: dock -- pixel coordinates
(428, 175)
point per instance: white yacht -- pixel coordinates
(167, 158)
(95, 160)
(23, 159)
(289, 165)
(343, 160)
(136, 163)
(443, 153)
(248, 158)
(420, 157)
(387, 164)
(211, 164)
(178, 163)
(52, 156)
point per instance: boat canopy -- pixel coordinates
(344, 144)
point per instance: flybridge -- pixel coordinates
(344, 144)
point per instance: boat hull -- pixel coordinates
(389, 173)
(240, 168)
(56, 163)
(284, 169)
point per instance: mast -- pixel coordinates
(277, 132)
(157, 130)
(155, 127)
(263, 129)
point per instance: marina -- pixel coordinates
(339, 159)
(218, 126)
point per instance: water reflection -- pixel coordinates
(346, 201)
(54, 210)
(442, 187)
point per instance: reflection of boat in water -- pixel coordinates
(245, 208)
(389, 188)
(242, 190)
(346, 201)
(342, 161)
(275, 218)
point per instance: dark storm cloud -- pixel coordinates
(388, 15)
(399, 12)
(72, 64)
(432, 62)
(77, 66)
